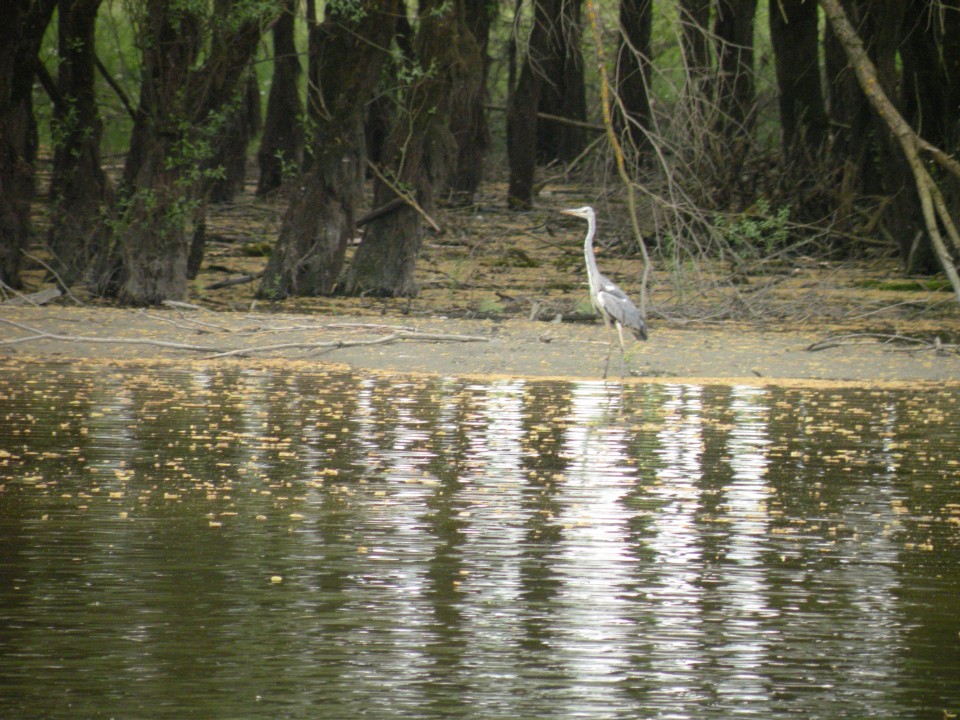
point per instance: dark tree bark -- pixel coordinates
(849, 109)
(874, 163)
(803, 114)
(182, 108)
(79, 189)
(22, 25)
(420, 153)
(319, 221)
(468, 121)
(695, 44)
(633, 74)
(930, 54)
(241, 124)
(523, 104)
(733, 28)
(562, 92)
(281, 148)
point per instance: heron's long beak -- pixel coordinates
(568, 211)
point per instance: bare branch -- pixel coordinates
(336, 344)
(882, 338)
(43, 335)
(931, 202)
(406, 197)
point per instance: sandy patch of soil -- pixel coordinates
(439, 345)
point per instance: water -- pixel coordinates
(248, 543)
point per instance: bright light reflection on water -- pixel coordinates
(244, 543)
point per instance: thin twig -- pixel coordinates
(406, 197)
(56, 275)
(43, 335)
(336, 344)
(883, 338)
(238, 280)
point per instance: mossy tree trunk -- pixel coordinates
(22, 26)
(79, 189)
(419, 154)
(241, 123)
(468, 121)
(319, 222)
(184, 106)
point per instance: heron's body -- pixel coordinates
(609, 300)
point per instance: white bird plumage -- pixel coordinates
(609, 300)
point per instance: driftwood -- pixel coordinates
(42, 297)
(398, 334)
(238, 280)
(385, 209)
(336, 344)
(919, 344)
(44, 335)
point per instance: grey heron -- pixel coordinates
(610, 301)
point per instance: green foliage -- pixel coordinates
(489, 306)
(937, 284)
(352, 10)
(755, 233)
(516, 257)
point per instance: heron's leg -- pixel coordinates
(623, 359)
(606, 365)
(606, 323)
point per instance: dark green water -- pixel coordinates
(245, 544)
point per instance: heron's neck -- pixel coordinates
(593, 270)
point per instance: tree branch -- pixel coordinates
(336, 344)
(43, 335)
(882, 338)
(931, 201)
(406, 197)
(398, 335)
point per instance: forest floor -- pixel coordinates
(504, 294)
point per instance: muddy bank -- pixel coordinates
(446, 346)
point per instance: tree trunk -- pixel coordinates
(733, 28)
(523, 104)
(78, 186)
(241, 125)
(562, 92)
(890, 174)
(695, 45)
(916, 152)
(633, 74)
(930, 55)
(319, 221)
(468, 121)
(281, 148)
(803, 115)
(182, 109)
(420, 152)
(22, 25)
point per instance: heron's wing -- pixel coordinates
(618, 306)
(606, 285)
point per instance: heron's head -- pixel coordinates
(585, 212)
